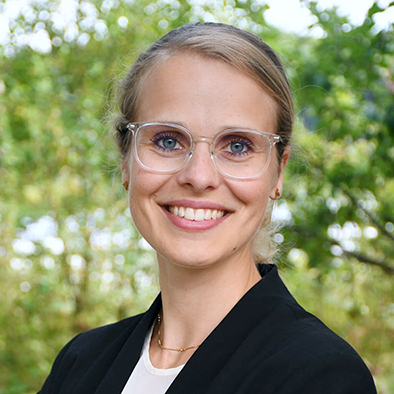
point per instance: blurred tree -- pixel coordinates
(70, 258)
(342, 205)
(346, 107)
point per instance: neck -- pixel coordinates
(195, 301)
(206, 292)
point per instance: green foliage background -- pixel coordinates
(70, 258)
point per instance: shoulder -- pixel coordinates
(84, 349)
(327, 364)
(104, 336)
(320, 360)
(295, 330)
(291, 351)
(310, 333)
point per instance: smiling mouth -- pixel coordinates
(198, 215)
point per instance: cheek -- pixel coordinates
(254, 196)
(141, 188)
(253, 192)
(141, 181)
(144, 186)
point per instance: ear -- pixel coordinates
(125, 170)
(276, 190)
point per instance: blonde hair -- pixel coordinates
(237, 48)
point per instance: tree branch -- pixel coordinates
(371, 216)
(363, 259)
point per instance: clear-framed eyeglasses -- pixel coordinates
(166, 148)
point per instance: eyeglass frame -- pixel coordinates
(134, 127)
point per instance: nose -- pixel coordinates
(200, 172)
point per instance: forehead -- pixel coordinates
(195, 90)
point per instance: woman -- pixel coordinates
(204, 128)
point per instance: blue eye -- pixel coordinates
(237, 147)
(169, 143)
(166, 141)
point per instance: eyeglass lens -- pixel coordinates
(237, 153)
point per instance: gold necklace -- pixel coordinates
(180, 350)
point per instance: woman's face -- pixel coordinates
(205, 96)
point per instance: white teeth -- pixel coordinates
(181, 212)
(189, 214)
(198, 215)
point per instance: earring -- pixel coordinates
(277, 193)
(126, 185)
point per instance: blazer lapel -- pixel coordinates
(124, 361)
(216, 351)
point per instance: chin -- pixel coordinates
(198, 258)
(199, 262)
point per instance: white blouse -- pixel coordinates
(145, 378)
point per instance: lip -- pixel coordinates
(193, 225)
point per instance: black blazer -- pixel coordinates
(266, 344)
